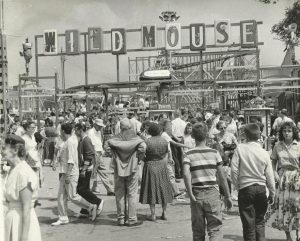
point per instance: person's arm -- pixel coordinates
(235, 162)
(141, 151)
(25, 198)
(270, 179)
(179, 144)
(224, 185)
(274, 158)
(234, 140)
(71, 161)
(188, 179)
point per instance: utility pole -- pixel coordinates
(63, 79)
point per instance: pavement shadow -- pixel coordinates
(240, 238)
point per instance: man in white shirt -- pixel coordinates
(178, 127)
(95, 135)
(68, 177)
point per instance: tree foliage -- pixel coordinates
(292, 15)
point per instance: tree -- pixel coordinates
(292, 15)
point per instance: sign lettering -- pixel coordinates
(197, 37)
(50, 41)
(118, 41)
(148, 36)
(248, 34)
(72, 42)
(222, 32)
(173, 36)
(95, 39)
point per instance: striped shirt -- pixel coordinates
(203, 166)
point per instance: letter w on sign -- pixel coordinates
(50, 41)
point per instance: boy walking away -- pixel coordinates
(202, 166)
(251, 172)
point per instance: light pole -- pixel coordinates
(168, 17)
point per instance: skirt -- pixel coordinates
(156, 187)
(284, 214)
(13, 225)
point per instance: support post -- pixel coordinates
(118, 73)
(86, 77)
(56, 99)
(37, 81)
(105, 93)
(20, 98)
(259, 93)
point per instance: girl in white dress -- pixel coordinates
(21, 223)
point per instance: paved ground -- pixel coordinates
(177, 228)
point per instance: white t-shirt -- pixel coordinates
(178, 127)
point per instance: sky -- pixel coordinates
(26, 18)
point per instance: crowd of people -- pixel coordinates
(214, 152)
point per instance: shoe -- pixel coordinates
(163, 217)
(135, 224)
(151, 218)
(100, 207)
(84, 213)
(121, 223)
(93, 212)
(60, 222)
(111, 194)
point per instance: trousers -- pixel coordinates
(69, 191)
(206, 213)
(253, 205)
(126, 187)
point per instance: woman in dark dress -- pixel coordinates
(156, 187)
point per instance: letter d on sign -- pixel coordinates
(173, 36)
(118, 41)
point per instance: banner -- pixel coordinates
(50, 42)
(118, 41)
(173, 36)
(72, 42)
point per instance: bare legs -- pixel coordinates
(153, 216)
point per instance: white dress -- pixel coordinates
(19, 178)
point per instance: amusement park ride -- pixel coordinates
(224, 74)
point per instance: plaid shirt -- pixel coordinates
(108, 129)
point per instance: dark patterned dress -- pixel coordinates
(156, 187)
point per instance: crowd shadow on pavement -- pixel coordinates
(228, 237)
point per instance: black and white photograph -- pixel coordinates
(150, 120)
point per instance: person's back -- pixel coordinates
(251, 172)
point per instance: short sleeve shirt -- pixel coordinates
(203, 166)
(286, 156)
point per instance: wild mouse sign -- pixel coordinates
(172, 32)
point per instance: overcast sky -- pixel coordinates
(26, 18)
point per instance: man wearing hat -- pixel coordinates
(127, 150)
(282, 117)
(95, 134)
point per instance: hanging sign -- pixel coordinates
(148, 36)
(222, 32)
(95, 39)
(72, 42)
(118, 41)
(173, 36)
(50, 42)
(197, 37)
(248, 33)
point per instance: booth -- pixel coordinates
(156, 109)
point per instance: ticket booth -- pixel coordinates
(264, 114)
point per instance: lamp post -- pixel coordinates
(168, 17)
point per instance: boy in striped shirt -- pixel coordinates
(202, 168)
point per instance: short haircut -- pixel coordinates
(81, 127)
(291, 125)
(67, 128)
(163, 123)
(28, 124)
(252, 132)
(188, 125)
(219, 124)
(217, 112)
(17, 143)
(200, 132)
(154, 129)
